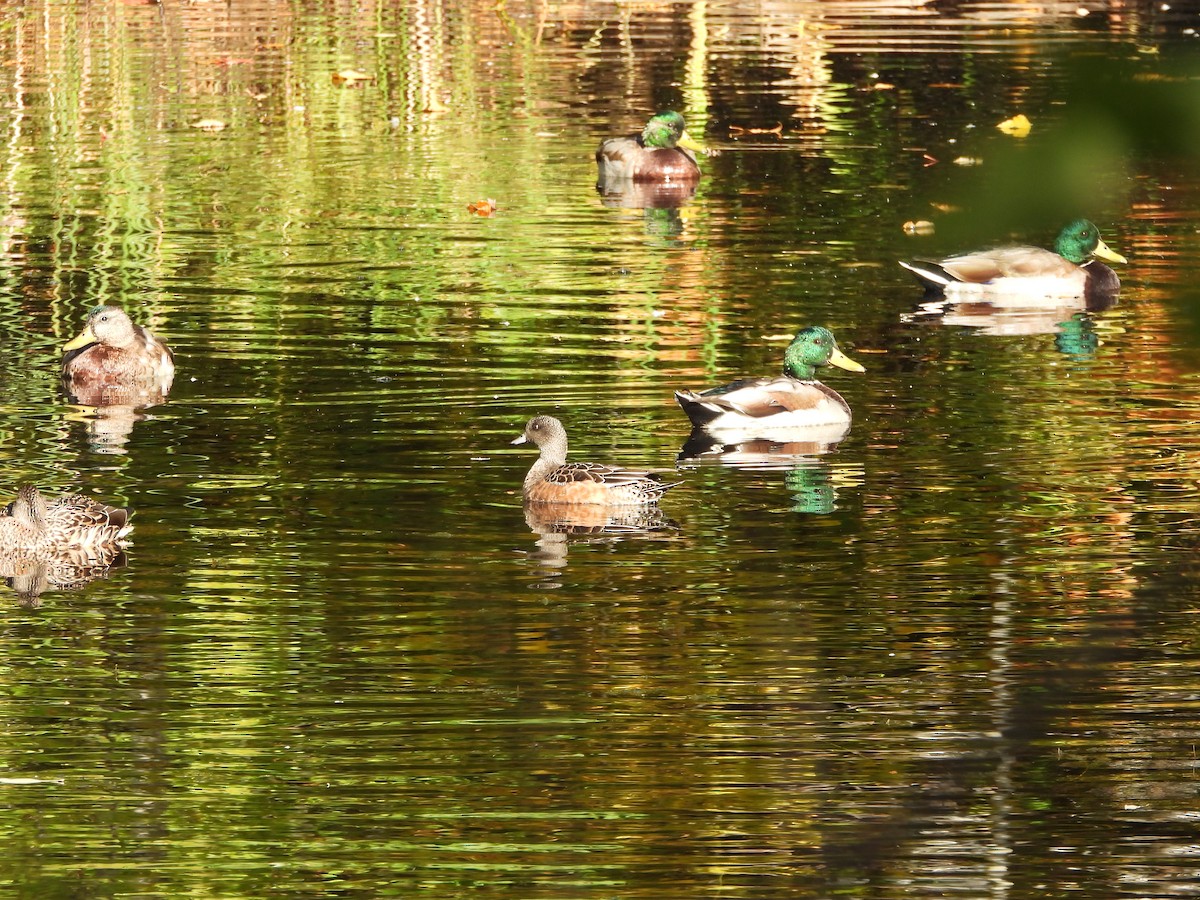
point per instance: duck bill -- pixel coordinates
(1103, 251)
(842, 361)
(520, 439)
(689, 143)
(85, 337)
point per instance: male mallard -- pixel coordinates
(794, 400)
(554, 480)
(112, 350)
(31, 524)
(1071, 270)
(662, 152)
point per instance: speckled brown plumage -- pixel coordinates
(111, 350)
(31, 524)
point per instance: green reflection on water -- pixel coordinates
(333, 661)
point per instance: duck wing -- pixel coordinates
(617, 157)
(81, 519)
(598, 473)
(756, 398)
(1008, 262)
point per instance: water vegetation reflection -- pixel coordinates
(815, 672)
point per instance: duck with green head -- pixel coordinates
(663, 152)
(756, 407)
(1072, 269)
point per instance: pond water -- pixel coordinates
(955, 654)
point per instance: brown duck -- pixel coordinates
(112, 350)
(33, 525)
(554, 480)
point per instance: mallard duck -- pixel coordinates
(31, 524)
(755, 407)
(112, 350)
(1070, 270)
(554, 480)
(662, 152)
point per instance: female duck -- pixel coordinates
(554, 480)
(73, 522)
(1071, 270)
(662, 152)
(755, 407)
(112, 350)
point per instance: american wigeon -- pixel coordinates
(554, 480)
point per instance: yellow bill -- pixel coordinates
(690, 143)
(88, 337)
(1103, 251)
(842, 361)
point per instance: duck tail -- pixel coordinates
(930, 274)
(696, 408)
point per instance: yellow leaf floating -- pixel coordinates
(1017, 126)
(209, 125)
(351, 78)
(919, 226)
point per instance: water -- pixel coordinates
(952, 655)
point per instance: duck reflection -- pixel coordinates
(625, 194)
(795, 452)
(558, 525)
(1073, 322)
(660, 202)
(778, 451)
(31, 575)
(109, 422)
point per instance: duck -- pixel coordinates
(73, 522)
(663, 152)
(554, 480)
(1072, 269)
(112, 350)
(795, 400)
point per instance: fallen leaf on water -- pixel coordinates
(968, 161)
(920, 226)
(1017, 126)
(485, 208)
(209, 125)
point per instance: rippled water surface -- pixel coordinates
(954, 653)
